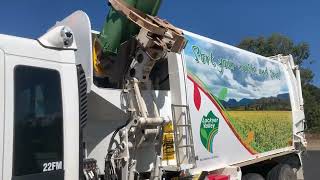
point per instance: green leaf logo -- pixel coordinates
(223, 93)
(208, 129)
(203, 133)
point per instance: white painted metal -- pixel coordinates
(260, 159)
(297, 71)
(106, 113)
(297, 113)
(8, 126)
(71, 120)
(58, 37)
(21, 51)
(68, 77)
(177, 86)
(1, 109)
(80, 24)
(12, 45)
(177, 77)
(163, 102)
(293, 77)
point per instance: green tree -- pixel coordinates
(277, 44)
(311, 97)
(280, 44)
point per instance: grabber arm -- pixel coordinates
(164, 33)
(155, 39)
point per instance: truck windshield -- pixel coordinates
(38, 124)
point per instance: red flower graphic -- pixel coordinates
(196, 96)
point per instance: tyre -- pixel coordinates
(252, 176)
(281, 172)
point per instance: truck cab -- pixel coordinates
(39, 110)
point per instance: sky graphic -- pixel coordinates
(227, 21)
(242, 82)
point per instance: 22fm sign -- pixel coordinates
(52, 166)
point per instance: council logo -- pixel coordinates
(208, 129)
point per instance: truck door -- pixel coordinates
(1, 109)
(33, 120)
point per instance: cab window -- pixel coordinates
(38, 121)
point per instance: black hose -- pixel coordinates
(109, 169)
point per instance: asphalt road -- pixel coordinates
(311, 161)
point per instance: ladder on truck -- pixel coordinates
(183, 139)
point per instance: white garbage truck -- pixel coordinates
(169, 104)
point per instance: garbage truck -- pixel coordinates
(143, 99)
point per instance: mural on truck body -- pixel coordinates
(231, 91)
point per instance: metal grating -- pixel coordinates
(83, 97)
(183, 137)
(83, 114)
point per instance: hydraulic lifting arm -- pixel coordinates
(153, 38)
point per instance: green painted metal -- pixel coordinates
(113, 30)
(118, 29)
(150, 7)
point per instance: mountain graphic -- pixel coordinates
(280, 102)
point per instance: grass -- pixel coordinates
(263, 130)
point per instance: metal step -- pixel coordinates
(183, 125)
(184, 146)
(183, 139)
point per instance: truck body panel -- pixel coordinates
(1, 108)
(110, 113)
(241, 104)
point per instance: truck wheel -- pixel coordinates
(252, 176)
(281, 172)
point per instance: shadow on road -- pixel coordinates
(311, 163)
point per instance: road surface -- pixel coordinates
(311, 161)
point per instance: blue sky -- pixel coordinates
(240, 83)
(228, 21)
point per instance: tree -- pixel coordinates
(311, 97)
(277, 44)
(280, 44)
